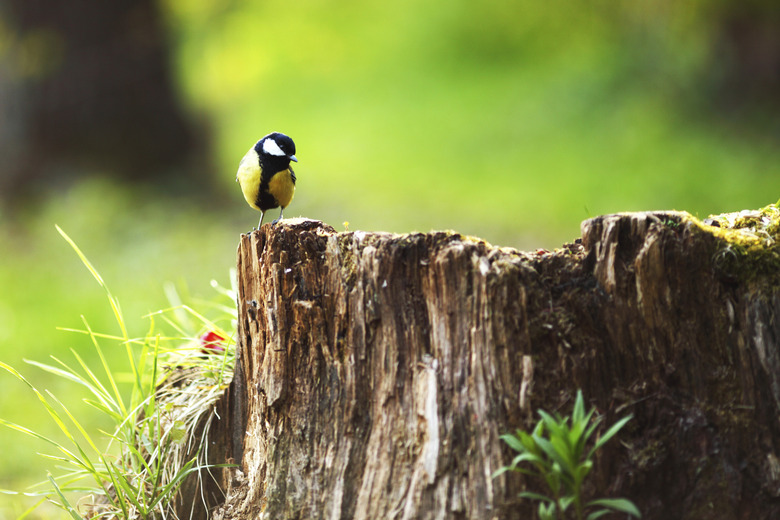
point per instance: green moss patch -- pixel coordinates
(749, 242)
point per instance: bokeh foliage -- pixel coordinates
(511, 120)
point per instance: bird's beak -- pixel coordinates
(293, 158)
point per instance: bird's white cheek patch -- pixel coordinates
(270, 147)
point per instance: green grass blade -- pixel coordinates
(500, 471)
(128, 493)
(67, 482)
(65, 503)
(527, 457)
(547, 511)
(175, 326)
(231, 293)
(111, 300)
(106, 398)
(553, 479)
(70, 456)
(535, 496)
(101, 408)
(169, 491)
(565, 501)
(176, 302)
(209, 324)
(99, 335)
(144, 464)
(578, 414)
(548, 449)
(517, 469)
(115, 498)
(78, 426)
(556, 426)
(528, 440)
(69, 374)
(593, 425)
(580, 432)
(52, 412)
(621, 505)
(513, 442)
(155, 366)
(609, 434)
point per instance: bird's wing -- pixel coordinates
(240, 165)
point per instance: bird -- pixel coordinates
(265, 176)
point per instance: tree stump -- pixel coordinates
(375, 372)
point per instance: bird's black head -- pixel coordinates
(276, 146)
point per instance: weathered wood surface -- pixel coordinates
(375, 372)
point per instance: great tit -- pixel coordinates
(265, 176)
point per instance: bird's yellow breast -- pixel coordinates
(282, 187)
(279, 185)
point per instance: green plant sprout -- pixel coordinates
(556, 450)
(159, 429)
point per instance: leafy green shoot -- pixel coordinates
(557, 456)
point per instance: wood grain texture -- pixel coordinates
(375, 372)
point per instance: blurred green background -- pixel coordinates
(509, 120)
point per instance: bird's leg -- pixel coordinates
(281, 212)
(260, 224)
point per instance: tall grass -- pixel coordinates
(160, 410)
